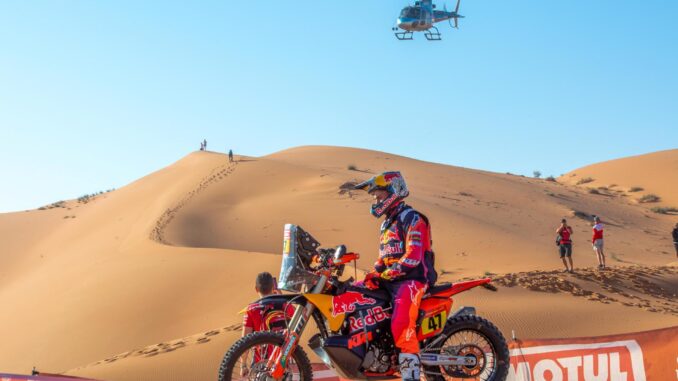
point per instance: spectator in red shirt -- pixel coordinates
(565, 246)
(597, 241)
(266, 314)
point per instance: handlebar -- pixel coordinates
(334, 258)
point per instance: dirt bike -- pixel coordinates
(353, 322)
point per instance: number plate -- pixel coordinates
(433, 323)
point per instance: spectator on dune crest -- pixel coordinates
(674, 233)
(564, 231)
(597, 241)
(204, 145)
(230, 155)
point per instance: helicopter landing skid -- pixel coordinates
(407, 35)
(433, 34)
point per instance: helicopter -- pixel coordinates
(421, 17)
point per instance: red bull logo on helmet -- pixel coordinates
(346, 302)
(607, 361)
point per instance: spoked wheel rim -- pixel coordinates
(255, 361)
(473, 344)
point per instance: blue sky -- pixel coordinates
(95, 94)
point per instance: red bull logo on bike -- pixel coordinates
(604, 361)
(374, 316)
(346, 302)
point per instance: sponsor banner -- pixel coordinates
(642, 356)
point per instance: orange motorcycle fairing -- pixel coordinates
(433, 314)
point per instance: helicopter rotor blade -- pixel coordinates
(456, 10)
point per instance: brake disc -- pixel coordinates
(466, 371)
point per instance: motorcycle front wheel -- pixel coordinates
(248, 357)
(476, 337)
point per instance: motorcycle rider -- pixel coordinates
(405, 265)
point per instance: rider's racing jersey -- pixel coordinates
(406, 245)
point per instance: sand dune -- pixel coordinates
(633, 177)
(107, 289)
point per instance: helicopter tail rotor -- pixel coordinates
(455, 17)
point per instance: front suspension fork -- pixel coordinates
(279, 357)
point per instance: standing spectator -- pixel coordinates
(674, 233)
(266, 314)
(598, 241)
(565, 246)
(204, 145)
(230, 155)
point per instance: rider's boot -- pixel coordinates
(409, 366)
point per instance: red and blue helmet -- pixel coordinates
(393, 183)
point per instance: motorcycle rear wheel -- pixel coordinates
(471, 335)
(299, 369)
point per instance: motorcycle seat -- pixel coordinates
(438, 289)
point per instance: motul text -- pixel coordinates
(607, 361)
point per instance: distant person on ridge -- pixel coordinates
(597, 241)
(674, 233)
(265, 315)
(405, 264)
(565, 244)
(230, 155)
(204, 144)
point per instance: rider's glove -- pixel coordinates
(371, 281)
(391, 273)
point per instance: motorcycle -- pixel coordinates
(354, 335)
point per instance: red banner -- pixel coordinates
(642, 356)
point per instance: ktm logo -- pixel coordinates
(359, 339)
(610, 361)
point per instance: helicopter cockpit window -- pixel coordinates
(410, 12)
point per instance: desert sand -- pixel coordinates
(145, 282)
(633, 177)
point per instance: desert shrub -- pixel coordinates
(537, 174)
(636, 189)
(649, 198)
(594, 191)
(551, 178)
(603, 188)
(664, 209)
(352, 167)
(584, 180)
(465, 194)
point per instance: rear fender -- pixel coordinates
(467, 285)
